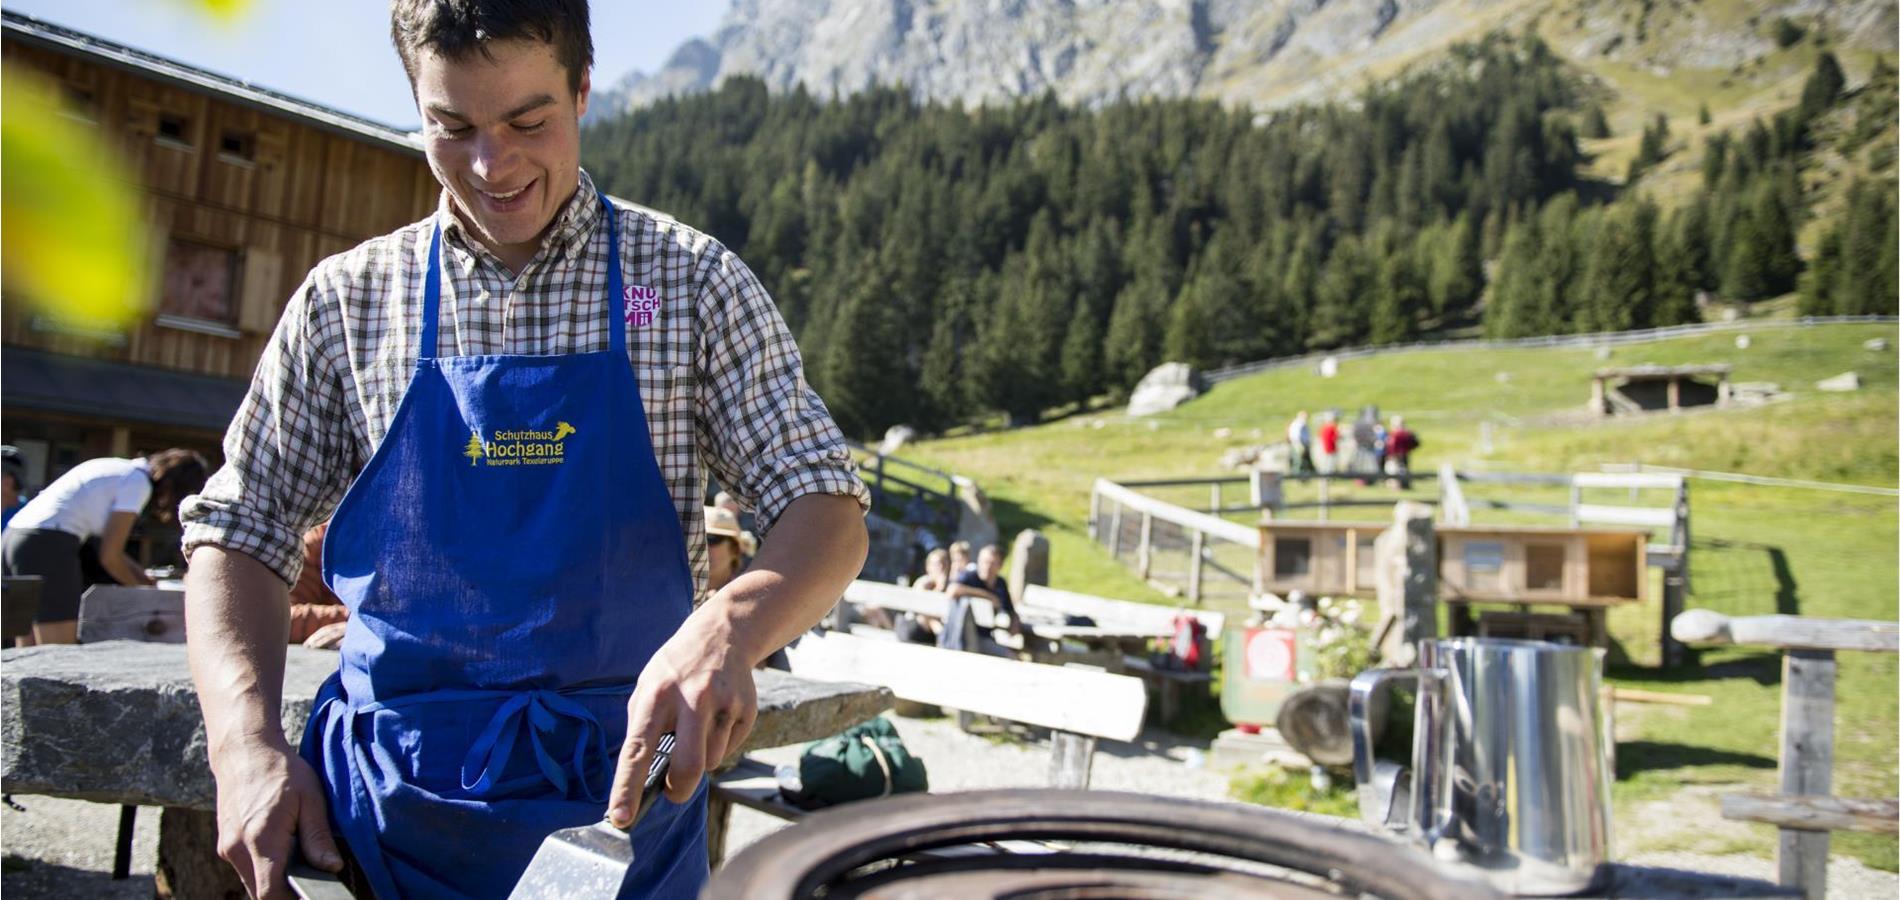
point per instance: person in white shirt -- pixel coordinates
(99, 498)
(1299, 443)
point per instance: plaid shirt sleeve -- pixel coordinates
(287, 454)
(763, 431)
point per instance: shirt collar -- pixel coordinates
(572, 226)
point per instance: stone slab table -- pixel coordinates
(118, 722)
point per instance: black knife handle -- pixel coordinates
(656, 777)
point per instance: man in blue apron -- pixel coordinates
(531, 381)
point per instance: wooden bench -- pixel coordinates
(1078, 705)
(1166, 684)
(1804, 810)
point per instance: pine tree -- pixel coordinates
(1457, 274)
(1822, 88)
(1596, 125)
(1399, 299)
(1867, 282)
(1512, 308)
(1082, 356)
(1820, 282)
(1619, 279)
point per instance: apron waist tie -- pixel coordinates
(538, 713)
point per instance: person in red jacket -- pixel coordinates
(1328, 443)
(1399, 444)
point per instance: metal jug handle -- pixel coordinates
(1403, 799)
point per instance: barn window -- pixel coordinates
(237, 146)
(1292, 557)
(1544, 567)
(199, 282)
(174, 129)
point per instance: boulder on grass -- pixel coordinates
(1846, 381)
(1169, 385)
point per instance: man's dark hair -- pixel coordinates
(457, 28)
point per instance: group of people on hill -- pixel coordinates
(1368, 450)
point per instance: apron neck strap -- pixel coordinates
(616, 324)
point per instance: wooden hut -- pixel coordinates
(243, 190)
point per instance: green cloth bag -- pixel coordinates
(859, 763)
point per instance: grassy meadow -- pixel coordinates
(1756, 550)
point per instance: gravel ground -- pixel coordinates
(63, 848)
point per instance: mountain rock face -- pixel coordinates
(1263, 53)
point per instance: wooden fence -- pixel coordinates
(1805, 810)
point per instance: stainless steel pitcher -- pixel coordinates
(1510, 770)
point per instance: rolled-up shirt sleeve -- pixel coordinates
(287, 454)
(762, 430)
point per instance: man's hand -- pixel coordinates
(698, 686)
(269, 797)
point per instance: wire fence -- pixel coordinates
(1600, 339)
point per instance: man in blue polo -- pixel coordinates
(535, 382)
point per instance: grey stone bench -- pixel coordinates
(118, 722)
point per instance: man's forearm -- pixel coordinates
(237, 619)
(815, 550)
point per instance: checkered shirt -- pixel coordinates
(720, 377)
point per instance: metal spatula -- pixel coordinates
(591, 860)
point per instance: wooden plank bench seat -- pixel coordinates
(1165, 683)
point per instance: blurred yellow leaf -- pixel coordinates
(71, 241)
(229, 9)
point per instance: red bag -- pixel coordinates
(1189, 636)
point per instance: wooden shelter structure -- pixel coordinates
(1585, 571)
(1637, 389)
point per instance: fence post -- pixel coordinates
(1095, 510)
(1214, 498)
(1807, 762)
(1115, 533)
(1195, 546)
(1325, 497)
(1147, 548)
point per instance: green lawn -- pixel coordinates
(1756, 550)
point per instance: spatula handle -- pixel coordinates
(656, 777)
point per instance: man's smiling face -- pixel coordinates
(502, 133)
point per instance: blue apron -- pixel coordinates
(511, 558)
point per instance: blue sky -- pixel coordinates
(337, 52)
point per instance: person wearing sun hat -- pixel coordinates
(728, 547)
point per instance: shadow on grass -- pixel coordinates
(1650, 756)
(1012, 517)
(1761, 667)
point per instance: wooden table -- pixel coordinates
(118, 722)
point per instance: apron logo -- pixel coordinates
(642, 304)
(520, 446)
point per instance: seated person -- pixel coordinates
(984, 581)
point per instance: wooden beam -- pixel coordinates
(113, 612)
(1186, 518)
(1645, 480)
(1055, 697)
(1070, 758)
(1703, 626)
(1643, 517)
(1814, 813)
(1807, 762)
